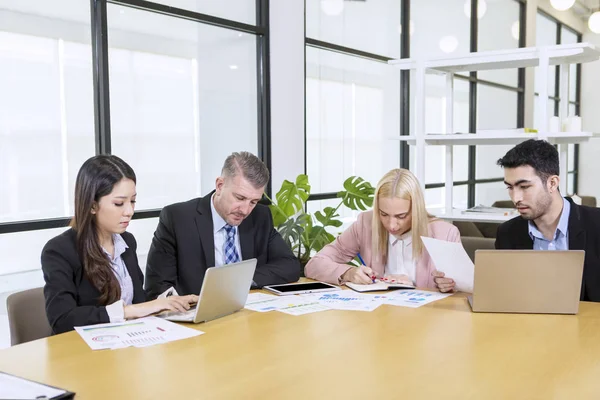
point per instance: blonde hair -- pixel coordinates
(402, 184)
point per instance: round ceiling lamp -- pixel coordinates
(562, 5)
(448, 44)
(332, 7)
(594, 22)
(481, 8)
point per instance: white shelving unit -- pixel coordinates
(542, 57)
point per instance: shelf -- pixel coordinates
(502, 59)
(497, 138)
(457, 215)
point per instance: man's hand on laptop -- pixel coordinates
(171, 303)
(443, 284)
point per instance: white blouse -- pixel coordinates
(400, 260)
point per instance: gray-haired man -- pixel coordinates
(226, 226)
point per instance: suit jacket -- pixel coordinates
(183, 248)
(71, 299)
(584, 234)
(331, 262)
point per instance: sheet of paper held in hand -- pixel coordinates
(138, 333)
(452, 259)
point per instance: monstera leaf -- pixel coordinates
(358, 194)
(292, 229)
(326, 218)
(319, 238)
(291, 198)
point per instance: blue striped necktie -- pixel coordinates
(229, 250)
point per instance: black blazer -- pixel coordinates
(71, 299)
(584, 234)
(183, 248)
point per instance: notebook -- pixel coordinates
(377, 286)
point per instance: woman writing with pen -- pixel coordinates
(387, 240)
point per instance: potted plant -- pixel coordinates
(307, 234)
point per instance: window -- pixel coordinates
(183, 94)
(352, 107)
(372, 26)
(190, 85)
(352, 97)
(497, 92)
(550, 32)
(46, 109)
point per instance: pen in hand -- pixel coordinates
(363, 263)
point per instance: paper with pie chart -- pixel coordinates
(141, 332)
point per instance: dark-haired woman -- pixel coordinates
(91, 270)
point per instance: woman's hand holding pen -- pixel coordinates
(362, 275)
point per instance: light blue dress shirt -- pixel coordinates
(561, 235)
(220, 235)
(120, 269)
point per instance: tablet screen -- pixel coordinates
(302, 286)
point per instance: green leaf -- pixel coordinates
(319, 238)
(292, 196)
(278, 217)
(291, 231)
(326, 218)
(358, 194)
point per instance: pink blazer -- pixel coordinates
(330, 263)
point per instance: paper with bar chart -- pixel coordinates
(141, 332)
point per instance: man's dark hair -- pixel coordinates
(538, 154)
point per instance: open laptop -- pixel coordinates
(224, 291)
(527, 281)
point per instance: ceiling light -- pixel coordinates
(562, 5)
(594, 22)
(481, 8)
(448, 44)
(332, 7)
(233, 67)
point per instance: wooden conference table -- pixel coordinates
(439, 350)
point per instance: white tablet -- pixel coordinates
(300, 288)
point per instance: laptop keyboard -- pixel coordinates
(179, 316)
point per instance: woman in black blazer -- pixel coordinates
(91, 270)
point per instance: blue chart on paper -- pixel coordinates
(414, 296)
(337, 297)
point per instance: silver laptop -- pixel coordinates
(527, 281)
(224, 291)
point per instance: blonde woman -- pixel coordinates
(389, 240)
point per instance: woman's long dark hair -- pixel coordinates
(97, 178)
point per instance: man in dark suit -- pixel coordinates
(225, 226)
(548, 221)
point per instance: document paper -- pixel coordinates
(413, 298)
(138, 333)
(452, 259)
(13, 387)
